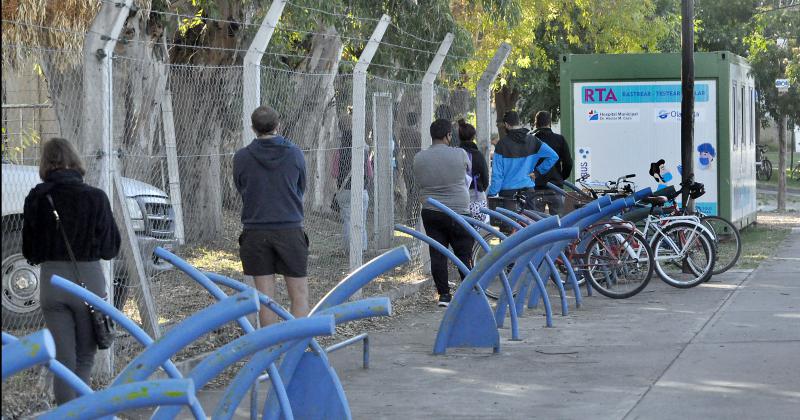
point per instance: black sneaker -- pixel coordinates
(444, 300)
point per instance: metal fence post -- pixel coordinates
(97, 118)
(383, 197)
(134, 264)
(357, 209)
(171, 146)
(251, 69)
(427, 90)
(483, 97)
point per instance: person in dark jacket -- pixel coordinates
(270, 174)
(85, 215)
(519, 158)
(558, 173)
(480, 172)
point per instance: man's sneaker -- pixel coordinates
(444, 300)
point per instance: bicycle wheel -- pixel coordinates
(727, 241)
(619, 262)
(684, 255)
(766, 166)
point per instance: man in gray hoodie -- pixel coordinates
(270, 174)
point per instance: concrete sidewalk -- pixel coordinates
(727, 349)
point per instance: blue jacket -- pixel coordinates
(270, 174)
(516, 156)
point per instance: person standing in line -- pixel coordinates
(519, 158)
(84, 214)
(343, 185)
(440, 173)
(558, 173)
(270, 175)
(479, 178)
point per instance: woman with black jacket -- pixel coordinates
(480, 172)
(86, 218)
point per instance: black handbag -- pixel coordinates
(105, 330)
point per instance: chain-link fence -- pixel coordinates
(175, 129)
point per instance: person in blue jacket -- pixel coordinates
(519, 158)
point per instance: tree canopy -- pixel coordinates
(540, 31)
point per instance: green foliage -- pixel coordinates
(546, 29)
(771, 61)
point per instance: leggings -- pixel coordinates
(67, 318)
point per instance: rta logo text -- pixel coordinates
(599, 95)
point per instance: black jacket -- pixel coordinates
(563, 168)
(85, 214)
(480, 172)
(270, 175)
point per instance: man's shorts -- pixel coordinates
(266, 252)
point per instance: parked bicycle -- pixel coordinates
(763, 164)
(683, 247)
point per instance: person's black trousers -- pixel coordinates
(551, 199)
(447, 232)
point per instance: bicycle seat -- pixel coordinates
(655, 200)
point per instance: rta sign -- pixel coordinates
(782, 85)
(602, 95)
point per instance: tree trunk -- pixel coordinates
(139, 82)
(505, 99)
(204, 120)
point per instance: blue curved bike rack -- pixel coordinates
(500, 316)
(59, 370)
(251, 343)
(299, 368)
(185, 332)
(116, 399)
(119, 318)
(310, 373)
(479, 239)
(29, 351)
(468, 320)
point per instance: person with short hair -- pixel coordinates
(545, 197)
(519, 158)
(270, 175)
(63, 201)
(440, 173)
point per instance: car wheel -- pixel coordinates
(20, 294)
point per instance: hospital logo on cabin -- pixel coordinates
(616, 115)
(663, 114)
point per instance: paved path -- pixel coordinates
(727, 349)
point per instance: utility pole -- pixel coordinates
(687, 94)
(782, 122)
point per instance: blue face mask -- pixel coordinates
(667, 176)
(704, 161)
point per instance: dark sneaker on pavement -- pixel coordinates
(444, 300)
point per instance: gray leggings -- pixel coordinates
(67, 318)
